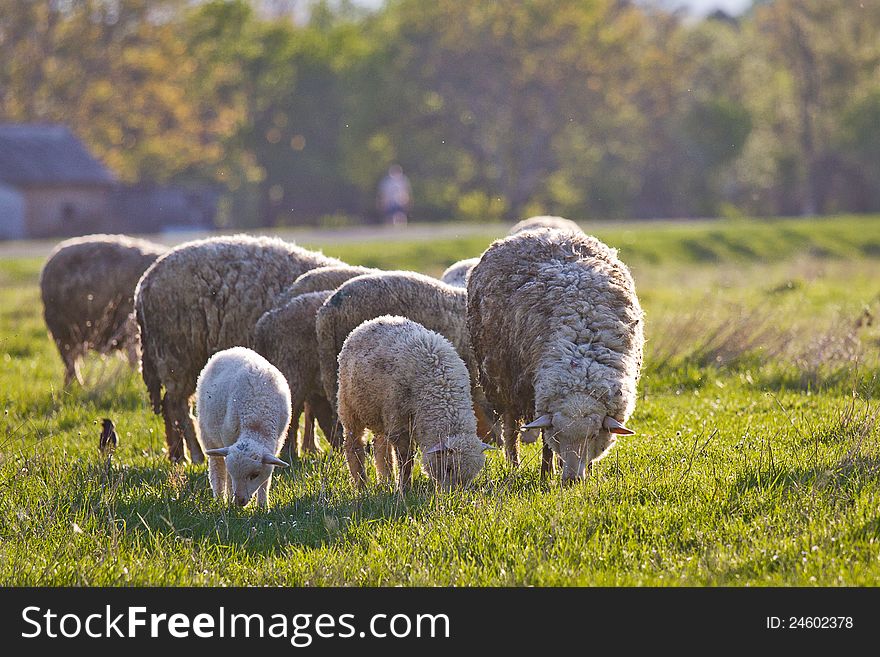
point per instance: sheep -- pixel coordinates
(243, 411)
(540, 221)
(434, 304)
(544, 221)
(314, 280)
(321, 278)
(456, 274)
(558, 332)
(87, 288)
(200, 298)
(286, 337)
(408, 385)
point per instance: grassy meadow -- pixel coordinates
(756, 460)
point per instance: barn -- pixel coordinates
(50, 185)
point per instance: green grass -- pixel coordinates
(756, 460)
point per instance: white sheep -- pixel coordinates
(243, 411)
(434, 304)
(456, 274)
(557, 329)
(87, 287)
(320, 279)
(202, 297)
(544, 221)
(409, 386)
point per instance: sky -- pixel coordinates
(698, 7)
(703, 7)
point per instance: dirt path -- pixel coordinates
(307, 236)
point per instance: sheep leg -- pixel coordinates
(173, 435)
(405, 455)
(328, 421)
(263, 492)
(132, 355)
(308, 443)
(546, 458)
(383, 454)
(511, 446)
(192, 442)
(290, 447)
(72, 369)
(71, 372)
(485, 423)
(217, 476)
(354, 457)
(179, 427)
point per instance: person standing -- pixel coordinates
(394, 197)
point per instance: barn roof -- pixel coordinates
(47, 154)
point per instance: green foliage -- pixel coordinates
(755, 462)
(496, 110)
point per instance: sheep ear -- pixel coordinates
(271, 459)
(220, 451)
(486, 446)
(542, 422)
(616, 427)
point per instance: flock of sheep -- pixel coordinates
(542, 332)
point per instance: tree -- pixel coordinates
(115, 72)
(485, 92)
(821, 53)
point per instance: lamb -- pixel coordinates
(286, 337)
(408, 385)
(87, 287)
(558, 332)
(243, 406)
(437, 306)
(200, 298)
(544, 221)
(456, 274)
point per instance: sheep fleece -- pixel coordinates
(240, 391)
(553, 314)
(322, 278)
(87, 287)
(434, 304)
(398, 379)
(544, 221)
(286, 337)
(456, 274)
(207, 295)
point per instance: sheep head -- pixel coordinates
(455, 460)
(579, 433)
(249, 465)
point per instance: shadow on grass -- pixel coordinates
(735, 246)
(845, 478)
(698, 251)
(161, 505)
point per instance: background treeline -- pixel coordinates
(585, 108)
